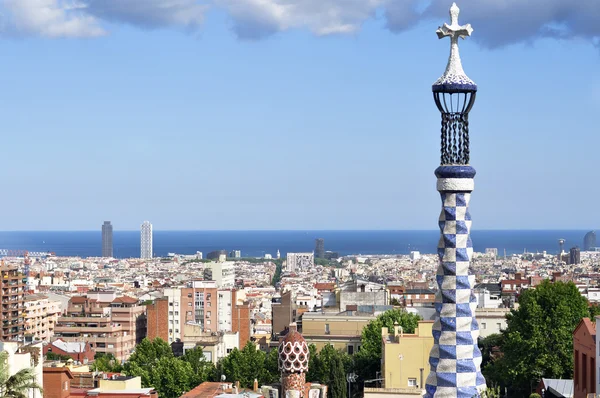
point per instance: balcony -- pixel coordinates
(87, 329)
(84, 319)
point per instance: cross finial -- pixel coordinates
(454, 30)
(454, 73)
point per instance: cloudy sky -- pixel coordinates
(291, 114)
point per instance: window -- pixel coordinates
(208, 304)
(208, 313)
(170, 312)
(229, 350)
(176, 312)
(412, 382)
(208, 296)
(350, 349)
(176, 330)
(177, 304)
(499, 325)
(170, 330)
(190, 304)
(208, 321)
(189, 295)
(483, 326)
(189, 313)
(170, 304)
(327, 331)
(65, 385)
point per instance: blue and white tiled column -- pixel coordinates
(455, 358)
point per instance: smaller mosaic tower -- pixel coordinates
(455, 359)
(293, 363)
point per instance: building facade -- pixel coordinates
(111, 324)
(41, 315)
(298, 261)
(319, 248)
(343, 331)
(13, 308)
(584, 352)
(146, 240)
(107, 239)
(589, 241)
(405, 357)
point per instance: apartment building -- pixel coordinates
(11, 296)
(41, 315)
(209, 309)
(343, 330)
(111, 324)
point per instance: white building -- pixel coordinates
(23, 360)
(223, 273)
(41, 315)
(146, 240)
(298, 261)
(224, 308)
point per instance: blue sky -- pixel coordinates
(291, 114)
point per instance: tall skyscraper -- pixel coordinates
(455, 358)
(107, 239)
(146, 240)
(320, 248)
(589, 241)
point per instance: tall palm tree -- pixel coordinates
(19, 384)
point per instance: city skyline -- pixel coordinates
(238, 94)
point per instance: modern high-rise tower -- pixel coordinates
(455, 358)
(107, 239)
(146, 240)
(589, 241)
(319, 248)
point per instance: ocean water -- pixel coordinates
(258, 243)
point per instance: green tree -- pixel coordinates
(57, 357)
(337, 378)
(105, 363)
(171, 377)
(244, 366)
(368, 359)
(18, 385)
(315, 369)
(538, 340)
(145, 357)
(271, 368)
(488, 346)
(202, 370)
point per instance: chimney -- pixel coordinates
(255, 386)
(237, 385)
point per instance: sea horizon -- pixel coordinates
(258, 243)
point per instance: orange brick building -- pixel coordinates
(584, 350)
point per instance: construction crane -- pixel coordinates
(22, 253)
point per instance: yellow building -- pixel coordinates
(405, 356)
(342, 331)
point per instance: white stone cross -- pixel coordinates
(454, 73)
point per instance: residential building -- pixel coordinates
(13, 309)
(202, 305)
(41, 315)
(146, 240)
(342, 330)
(358, 293)
(299, 261)
(320, 248)
(79, 351)
(223, 273)
(107, 239)
(24, 357)
(111, 324)
(491, 320)
(584, 351)
(283, 313)
(57, 382)
(574, 255)
(405, 357)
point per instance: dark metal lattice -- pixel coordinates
(455, 109)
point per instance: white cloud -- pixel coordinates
(496, 22)
(50, 18)
(256, 18)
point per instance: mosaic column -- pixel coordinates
(455, 359)
(293, 363)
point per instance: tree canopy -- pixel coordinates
(18, 385)
(538, 339)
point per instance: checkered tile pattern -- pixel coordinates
(455, 358)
